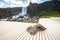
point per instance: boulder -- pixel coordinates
(33, 30)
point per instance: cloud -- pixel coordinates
(1, 4)
(6, 0)
(20, 3)
(39, 1)
(13, 3)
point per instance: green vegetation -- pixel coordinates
(45, 14)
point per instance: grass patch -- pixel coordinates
(45, 14)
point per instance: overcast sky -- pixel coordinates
(14, 3)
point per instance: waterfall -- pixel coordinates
(24, 11)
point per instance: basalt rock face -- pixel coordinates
(49, 6)
(9, 12)
(45, 6)
(32, 8)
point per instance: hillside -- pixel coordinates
(48, 6)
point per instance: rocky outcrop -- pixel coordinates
(32, 8)
(45, 6)
(8, 12)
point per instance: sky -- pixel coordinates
(18, 3)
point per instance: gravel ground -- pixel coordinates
(17, 30)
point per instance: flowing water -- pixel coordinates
(24, 11)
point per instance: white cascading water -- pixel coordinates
(24, 11)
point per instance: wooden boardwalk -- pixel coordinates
(17, 30)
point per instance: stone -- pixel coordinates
(39, 27)
(33, 30)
